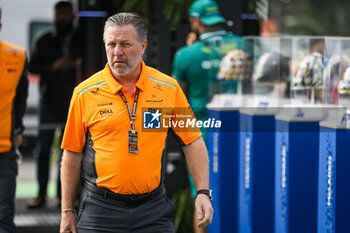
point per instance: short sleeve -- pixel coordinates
(75, 130)
(183, 112)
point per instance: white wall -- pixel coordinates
(16, 16)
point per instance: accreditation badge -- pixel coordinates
(132, 142)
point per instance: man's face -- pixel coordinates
(124, 51)
(64, 19)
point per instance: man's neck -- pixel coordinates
(211, 28)
(129, 81)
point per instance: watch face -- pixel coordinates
(211, 194)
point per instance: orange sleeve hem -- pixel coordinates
(72, 149)
(189, 140)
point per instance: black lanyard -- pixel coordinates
(132, 115)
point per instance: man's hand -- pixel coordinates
(17, 140)
(64, 61)
(204, 210)
(68, 223)
(191, 38)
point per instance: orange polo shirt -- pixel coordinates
(12, 61)
(98, 124)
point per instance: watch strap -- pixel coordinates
(207, 192)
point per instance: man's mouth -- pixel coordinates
(119, 61)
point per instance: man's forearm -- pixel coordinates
(70, 177)
(198, 163)
(20, 102)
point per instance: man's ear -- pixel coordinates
(143, 46)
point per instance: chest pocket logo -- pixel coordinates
(106, 111)
(9, 70)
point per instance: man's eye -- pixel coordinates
(111, 44)
(126, 44)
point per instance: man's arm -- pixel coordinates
(70, 178)
(38, 63)
(198, 164)
(20, 104)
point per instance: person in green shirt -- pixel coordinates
(195, 66)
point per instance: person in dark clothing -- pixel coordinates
(54, 58)
(13, 95)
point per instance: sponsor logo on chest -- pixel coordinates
(106, 111)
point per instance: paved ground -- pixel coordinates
(39, 220)
(45, 220)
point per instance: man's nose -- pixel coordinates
(118, 50)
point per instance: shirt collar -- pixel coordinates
(141, 83)
(115, 86)
(214, 32)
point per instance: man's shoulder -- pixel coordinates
(230, 38)
(190, 52)
(157, 76)
(221, 35)
(11, 47)
(190, 49)
(45, 37)
(90, 82)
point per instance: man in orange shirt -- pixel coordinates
(114, 121)
(13, 96)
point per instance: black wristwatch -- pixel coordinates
(207, 192)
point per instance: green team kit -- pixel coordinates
(197, 66)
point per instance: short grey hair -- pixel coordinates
(126, 18)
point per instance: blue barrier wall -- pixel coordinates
(296, 172)
(334, 181)
(223, 159)
(256, 174)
